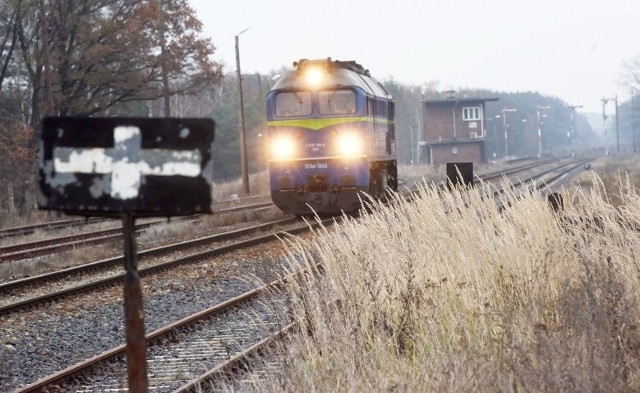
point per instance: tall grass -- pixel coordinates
(447, 293)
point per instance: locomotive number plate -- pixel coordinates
(316, 165)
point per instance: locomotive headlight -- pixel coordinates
(349, 145)
(282, 148)
(314, 76)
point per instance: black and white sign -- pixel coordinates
(144, 166)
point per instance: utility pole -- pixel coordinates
(573, 126)
(540, 108)
(243, 141)
(633, 123)
(505, 125)
(604, 117)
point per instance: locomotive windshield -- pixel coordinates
(332, 102)
(297, 103)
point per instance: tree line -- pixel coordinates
(150, 58)
(93, 58)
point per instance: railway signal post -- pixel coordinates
(127, 168)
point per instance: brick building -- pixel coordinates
(454, 130)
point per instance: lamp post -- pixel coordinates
(573, 126)
(604, 117)
(494, 138)
(540, 108)
(505, 125)
(525, 130)
(243, 140)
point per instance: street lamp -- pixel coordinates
(505, 125)
(540, 108)
(243, 141)
(604, 118)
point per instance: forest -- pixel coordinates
(151, 58)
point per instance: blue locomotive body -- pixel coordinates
(332, 136)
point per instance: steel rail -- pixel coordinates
(242, 357)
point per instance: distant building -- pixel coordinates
(454, 130)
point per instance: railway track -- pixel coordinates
(70, 281)
(214, 336)
(543, 180)
(202, 257)
(54, 245)
(226, 356)
(81, 222)
(59, 224)
(58, 244)
(15, 294)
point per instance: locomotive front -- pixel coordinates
(330, 138)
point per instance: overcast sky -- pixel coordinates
(570, 49)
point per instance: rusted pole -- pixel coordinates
(133, 311)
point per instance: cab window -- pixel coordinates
(290, 104)
(334, 102)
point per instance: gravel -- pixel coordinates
(53, 337)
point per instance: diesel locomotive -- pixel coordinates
(332, 138)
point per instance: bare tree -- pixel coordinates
(108, 52)
(630, 76)
(8, 37)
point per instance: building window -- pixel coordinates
(471, 113)
(454, 150)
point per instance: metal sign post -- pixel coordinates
(127, 168)
(133, 310)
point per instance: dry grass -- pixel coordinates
(612, 171)
(448, 294)
(11, 220)
(76, 256)
(258, 185)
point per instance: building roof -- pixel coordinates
(459, 99)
